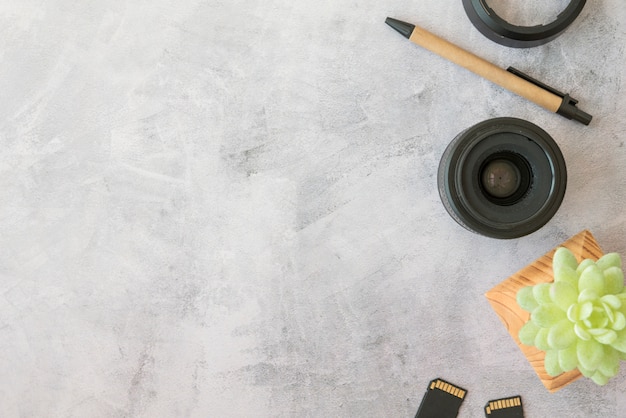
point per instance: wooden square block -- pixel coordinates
(503, 301)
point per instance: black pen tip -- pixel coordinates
(405, 29)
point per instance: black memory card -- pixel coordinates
(505, 408)
(442, 400)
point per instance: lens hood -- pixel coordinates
(498, 30)
(502, 178)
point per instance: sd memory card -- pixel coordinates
(442, 400)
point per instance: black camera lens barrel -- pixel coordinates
(498, 30)
(502, 178)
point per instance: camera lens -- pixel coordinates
(502, 178)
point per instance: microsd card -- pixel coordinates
(442, 400)
(505, 408)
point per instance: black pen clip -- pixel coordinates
(538, 83)
(568, 105)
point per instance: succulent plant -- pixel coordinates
(579, 320)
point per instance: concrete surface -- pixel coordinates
(229, 208)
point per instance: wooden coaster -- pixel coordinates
(503, 301)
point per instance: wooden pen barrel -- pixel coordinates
(485, 69)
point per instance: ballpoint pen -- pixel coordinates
(511, 79)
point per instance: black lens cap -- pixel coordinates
(498, 30)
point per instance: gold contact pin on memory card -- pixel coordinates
(505, 408)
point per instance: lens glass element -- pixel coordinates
(500, 178)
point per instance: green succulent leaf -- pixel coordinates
(566, 274)
(612, 300)
(528, 332)
(563, 295)
(581, 332)
(622, 308)
(541, 292)
(586, 372)
(609, 260)
(562, 335)
(608, 311)
(579, 311)
(620, 342)
(568, 359)
(587, 295)
(590, 353)
(610, 363)
(526, 299)
(551, 363)
(599, 378)
(603, 335)
(592, 278)
(583, 265)
(564, 257)
(613, 280)
(620, 321)
(541, 339)
(547, 315)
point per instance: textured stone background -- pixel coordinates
(229, 208)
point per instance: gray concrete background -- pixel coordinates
(229, 208)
